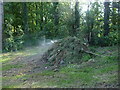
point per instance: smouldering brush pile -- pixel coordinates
(68, 50)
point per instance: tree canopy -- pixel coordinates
(25, 23)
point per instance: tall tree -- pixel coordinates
(119, 27)
(37, 14)
(41, 16)
(25, 18)
(56, 17)
(1, 22)
(77, 17)
(106, 17)
(88, 24)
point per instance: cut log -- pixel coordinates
(91, 53)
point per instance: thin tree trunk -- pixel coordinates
(106, 18)
(41, 16)
(1, 24)
(119, 22)
(119, 14)
(119, 40)
(88, 25)
(56, 17)
(36, 14)
(25, 18)
(77, 17)
(72, 25)
(113, 13)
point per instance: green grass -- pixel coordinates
(6, 57)
(74, 75)
(15, 85)
(47, 73)
(8, 67)
(87, 74)
(106, 69)
(86, 57)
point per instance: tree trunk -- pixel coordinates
(56, 17)
(25, 18)
(113, 13)
(41, 16)
(119, 14)
(77, 18)
(1, 24)
(119, 39)
(106, 18)
(119, 23)
(36, 14)
(88, 18)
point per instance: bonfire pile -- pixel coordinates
(68, 50)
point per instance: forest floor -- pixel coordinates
(24, 69)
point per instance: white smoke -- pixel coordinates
(46, 42)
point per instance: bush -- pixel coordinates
(111, 39)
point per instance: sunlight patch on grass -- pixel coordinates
(14, 85)
(19, 76)
(5, 59)
(43, 85)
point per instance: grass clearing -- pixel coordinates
(100, 73)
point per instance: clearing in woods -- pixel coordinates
(25, 69)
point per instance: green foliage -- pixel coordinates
(26, 25)
(13, 33)
(111, 39)
(93, 27)
(86, 57)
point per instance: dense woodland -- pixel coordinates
(26, 23)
